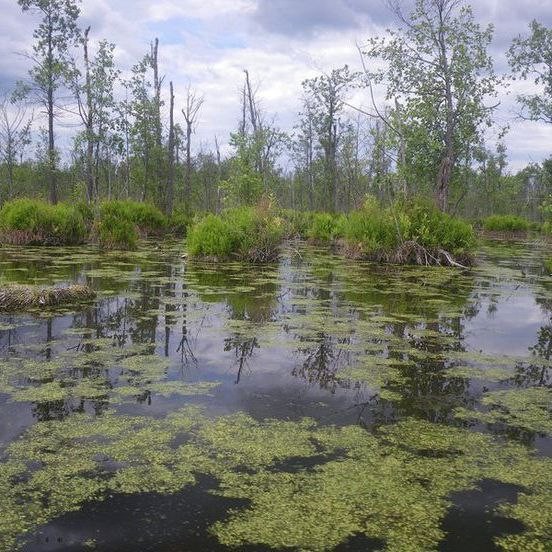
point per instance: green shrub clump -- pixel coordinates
(251, 234)
(36, 222)
(121, 223)
(506, 223)
(322, 228)
(147, 218)
(413, 232)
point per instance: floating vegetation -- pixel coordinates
(18, 297)
(393, 486)
(529, 409)
(144, 394)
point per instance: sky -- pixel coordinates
(208, 43)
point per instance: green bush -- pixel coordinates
(548, 266)
(506, 223)
(297, 223)
(246, 233)
(411, 232)
(179, 221)
(322, 228)
(148, 219)
(33, 221)
(117, 233)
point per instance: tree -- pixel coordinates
(15, 134)
(95, 101)
(438, 69)
(172, 147)
(53, 36)
(190, 112)
(326, 95)
(531, 57)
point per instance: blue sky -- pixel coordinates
(208, 43)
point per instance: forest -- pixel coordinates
(427, 139)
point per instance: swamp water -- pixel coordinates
(317, 404)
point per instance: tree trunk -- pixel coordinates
(170, 184)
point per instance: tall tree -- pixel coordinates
(56, 31)
(438, 68)
(172, 147)
(190, 112)
(327, 94)
(531, 57)
(93, 88)
(15, 135)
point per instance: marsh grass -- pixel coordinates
(252, 234)
(506, 223)
(413, 232)
(36, 222)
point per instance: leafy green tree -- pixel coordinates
(440, 74)
(531, 57)
(326, 96)
(93, 88)
(56, 32)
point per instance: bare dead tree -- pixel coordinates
(170, 183)
(15, 128)
(194, 103)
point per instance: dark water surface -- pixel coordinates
(317, 404)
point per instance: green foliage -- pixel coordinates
(117, 232)
(179, 221)
(378, 232)
(33, 221)
(245, 233)
(148, 219)
(530, 59)
(297, 222)
(322, 228)
(506, 223)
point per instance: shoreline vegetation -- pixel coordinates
(406, 232)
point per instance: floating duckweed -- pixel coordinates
(529, 409)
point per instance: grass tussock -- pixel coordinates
(18, 297)
(506, 223)
(414, 232)
(252, 234)
(36, 222)
(122, 223)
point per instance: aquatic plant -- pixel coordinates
(250, 234)
(36, 222)
(506, 223)
(18, 297)
(322, 228)
(147, 218)
(117, 233)
(413, 232)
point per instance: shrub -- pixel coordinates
(322, 228)
(548, 266)
(297, 223)
(506, 223)
(246, 233)
(415, 232)
(33, 221)
(179, 221)
(117, 233)
(148, 219)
